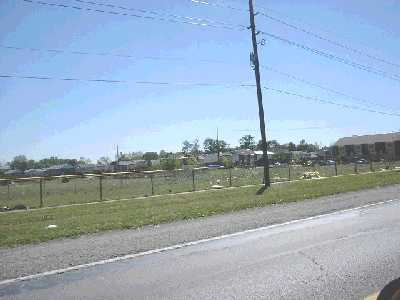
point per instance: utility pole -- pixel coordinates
(255, 61)
(217, 146)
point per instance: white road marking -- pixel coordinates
(183, 245)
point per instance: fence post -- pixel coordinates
(101, 187)
(290, 175)
(8, 190)
(41, 192)
(152, 184)
(355, 167)
(230, 176)
(371, 168)
(193, 181)
(335, 168)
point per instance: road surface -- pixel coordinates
(344, 255)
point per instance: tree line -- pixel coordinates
(189, 148)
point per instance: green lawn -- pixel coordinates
(30, 226)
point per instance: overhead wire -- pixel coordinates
(209, 84)
(333, 57)
(164, 19)
(128, 56)
(331, 102)
(147, 11)
(301, 29)
(331, 41)
(140, 82)
(325, 88)
(268, 68)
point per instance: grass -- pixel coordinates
(85, 190)
(30, 226)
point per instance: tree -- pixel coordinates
(270, 144)
(163, 154)
(148, 156)
(212, 146)
(191, 147)
(302, 146)
(170, 164)
(186, 147)
(291, 146)
(104, 160)
(84, 161)
(247, 142)
(19, 162)
(195, 147)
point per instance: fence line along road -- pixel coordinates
(34, 192)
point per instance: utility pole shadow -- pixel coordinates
(261, 190)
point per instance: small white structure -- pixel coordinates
(247, 157)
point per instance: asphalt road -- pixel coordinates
(345, 255)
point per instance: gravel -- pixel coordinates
(56, 254)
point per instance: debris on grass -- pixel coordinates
(216, 186)
(310, 175)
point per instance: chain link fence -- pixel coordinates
(74, 189)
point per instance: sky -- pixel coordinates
(71, 119)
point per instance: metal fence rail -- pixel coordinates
(21, 193)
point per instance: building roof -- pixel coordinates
(368, 139)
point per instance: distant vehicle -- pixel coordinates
(215, 166)
(362, 161)
(277, 164)
(308, 163)
(330, 162)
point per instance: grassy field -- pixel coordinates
(30, 226)
(85, 190)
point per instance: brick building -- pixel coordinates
(374, 147)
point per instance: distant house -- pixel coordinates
(375, 147)
(93, 168)
(247, 157)
(4, 169)
(35, 173)
(58, 170)
(130, 165)
(208, 158)
(212, 158)
(155, 162)
(14, 173)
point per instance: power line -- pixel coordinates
(302, 80)
(219, 5)
(334, 57)
(201, 24)
(309, 32)
(146, 11)
(142, 82)
(333, 42)
(82, 52)
(242, 27)
(201, 84)
(291, 129)
(324, 101)
(296, 78)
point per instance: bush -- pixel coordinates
(170, 164)
(227, 162)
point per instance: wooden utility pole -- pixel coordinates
(256, 63)
(217, 146)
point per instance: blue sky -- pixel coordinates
(73, 119)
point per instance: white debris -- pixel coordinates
(216, 186)
(51, 226)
